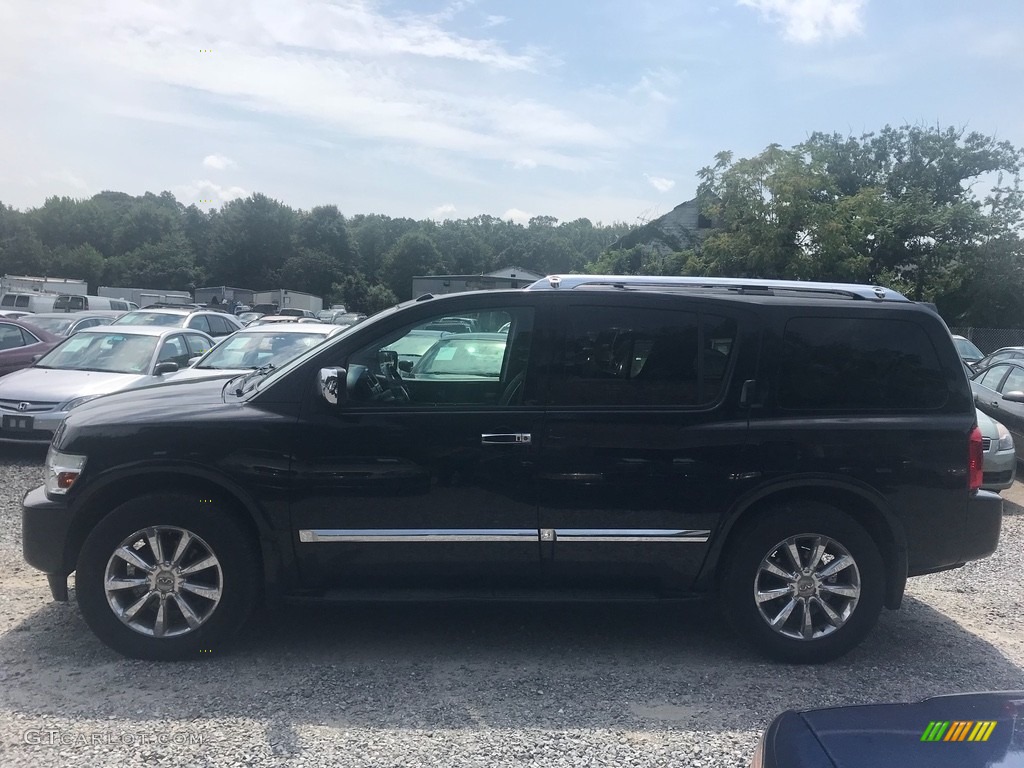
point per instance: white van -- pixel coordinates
(30, 302)
(73, 303)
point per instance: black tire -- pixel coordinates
(743, 576)
(220, 597)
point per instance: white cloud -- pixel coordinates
(657, 85)
(807, 21)
(660, 183)
(516, 215)
(495, 21)
(218, 162)
(443, 211)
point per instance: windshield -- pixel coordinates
(55, 325)
(415, 344)
(967, 350)
(150, 318)
(107, 352)
(255, 350)
(455, 356)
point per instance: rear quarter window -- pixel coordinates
(859, 364)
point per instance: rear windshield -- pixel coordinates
(859, 364)
(55, 325)
(150, 318)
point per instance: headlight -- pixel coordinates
(62, 470)
(1005, 438)
(77, 402)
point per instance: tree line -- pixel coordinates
(933, 212)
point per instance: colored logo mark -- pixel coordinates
(958, 730)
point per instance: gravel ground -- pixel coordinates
(522, 685)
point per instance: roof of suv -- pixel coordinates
(731, 285)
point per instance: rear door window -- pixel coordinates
(1014, 382)
(990, 379)
(200, 323)
(631, 356)
(831, 363)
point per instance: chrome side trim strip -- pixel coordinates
(377, 535)
(630, 535)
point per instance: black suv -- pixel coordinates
(796, 449)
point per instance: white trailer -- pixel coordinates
(145, 296)
(285, 298)
(55, 285)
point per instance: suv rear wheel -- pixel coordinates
(805, 583)
(166, 577)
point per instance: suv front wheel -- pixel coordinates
(166, 577)
(805, 583)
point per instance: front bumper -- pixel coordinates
(43, 427)
(45, 527)
(981, 528)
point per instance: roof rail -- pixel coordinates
(734, 285)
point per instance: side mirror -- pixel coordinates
(193, 360)
(1014, 397)
(35, 358)
(162, 368)
(332, 383)
(405, 366)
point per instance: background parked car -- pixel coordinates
(68, 324)
(247, 317)
(255, 347)
(93, 362)
(1001, 354)
(413, 346)
(298, 312)
(999, 392)
(460, 355)
(14, 314)
(1000, 462)
(21, 343)
(968, 352)
(210, 322)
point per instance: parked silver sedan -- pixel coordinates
(95, 361)
(255, 347)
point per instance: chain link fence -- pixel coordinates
(990, 339)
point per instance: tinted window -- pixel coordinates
(28, 338)
(1014, 382)
(993, 376)
(10, 337)
(22, 301)
(626, 356)
(8, 300)
(858, 364)
(200, 323)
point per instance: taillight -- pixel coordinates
(976, 460)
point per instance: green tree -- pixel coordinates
(414, 254)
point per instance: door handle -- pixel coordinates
(505, 438)
(995, 404)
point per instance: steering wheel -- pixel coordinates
(364, 385)
(394, 381)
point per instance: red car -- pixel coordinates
(21, 344)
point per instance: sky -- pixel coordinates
(604, 109)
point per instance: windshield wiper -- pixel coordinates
(252, 375)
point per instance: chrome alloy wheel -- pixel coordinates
(163, 581)
(807, 586)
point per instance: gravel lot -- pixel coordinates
(490, 686)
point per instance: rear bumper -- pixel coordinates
(981, 528)
(45, 525)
